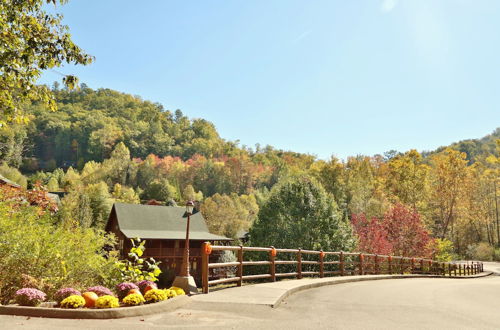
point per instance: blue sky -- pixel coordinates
(322, 77)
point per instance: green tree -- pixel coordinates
(407, 179)
(100, 203)
(32, 40)
(118, 165)
(160, 190)
(299, 213)
(125, 194)
(229, 214)
(52, 184)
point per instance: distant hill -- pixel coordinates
(474, 148)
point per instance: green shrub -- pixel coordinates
(135, 268)
(73, 302)
(496, 255)
(481, 251)
(107, 302)
(33, 247)
(443, 250)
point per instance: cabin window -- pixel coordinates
(176, 244)
(120, 244)
(193, 265)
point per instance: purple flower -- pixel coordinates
(124, 288)
(64, 293)
(144, 283)
(100, 291)
(29, 297)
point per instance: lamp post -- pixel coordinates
(185, 256)
(184, 280)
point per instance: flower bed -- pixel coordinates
(98, 297)
(97, 302)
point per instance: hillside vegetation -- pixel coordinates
(103, 146)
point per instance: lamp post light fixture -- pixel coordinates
(185, 256)
(184, 280)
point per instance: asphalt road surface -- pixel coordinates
(385, 304)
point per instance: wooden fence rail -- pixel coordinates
(300, 263)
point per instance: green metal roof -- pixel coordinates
(161, 222)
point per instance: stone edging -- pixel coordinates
(108, 313)
(340, 280)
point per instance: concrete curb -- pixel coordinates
(109, 313)
(337, 280)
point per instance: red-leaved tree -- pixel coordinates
(401, 232)
(372, 236)
(406, 232)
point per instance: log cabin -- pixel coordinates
(164, 229)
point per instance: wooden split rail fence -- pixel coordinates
(300, 263)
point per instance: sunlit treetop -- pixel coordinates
(32, 40)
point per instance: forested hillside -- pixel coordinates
(475, 148)
(102, 146)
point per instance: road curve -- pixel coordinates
(427, 303)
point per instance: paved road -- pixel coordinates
(385, 304)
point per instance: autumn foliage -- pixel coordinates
(400, 232)
(38, 196)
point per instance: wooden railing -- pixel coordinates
(322, 263)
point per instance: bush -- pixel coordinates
(134, 299)
(107, 302)
(481, 251)
(73, 302)
(59, 256)
(29, 297)
(443, 250)
(123, 289)
(64, 293)
(496, 255)
(136, 268)
(155, 295)
(226, 256)
(100, 290)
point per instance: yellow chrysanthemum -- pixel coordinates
(134, 299)
(73, 301)
(107, 302)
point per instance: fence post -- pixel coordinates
(389, 261)
(422, 266)
(401, 265)
(412, 266)
(240, 266)
(204, 267)
(272, 266)
(299, 264)
(321, 265)
(377, 270)
(341, 260)
(454, 270)
(361, 257)
(449, 269)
